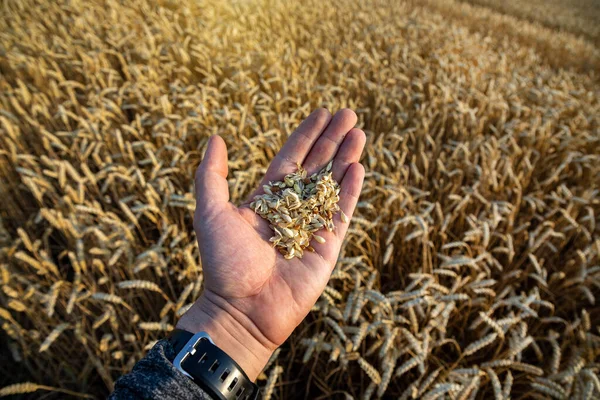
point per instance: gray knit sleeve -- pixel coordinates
(155, 377)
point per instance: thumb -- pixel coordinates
(212, 191)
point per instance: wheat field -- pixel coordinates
(472, 266)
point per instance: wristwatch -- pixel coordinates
(211, 368)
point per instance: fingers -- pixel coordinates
(351, 186)
(349, 153)
(298, 144)
(211, 177)
(329, 142)
(296, 148)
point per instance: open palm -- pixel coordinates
(245, 277)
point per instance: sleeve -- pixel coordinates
(155, 377)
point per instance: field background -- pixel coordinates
(473, 264)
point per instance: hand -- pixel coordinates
(253, 297)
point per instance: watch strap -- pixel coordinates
(179, 338)
(210, 367)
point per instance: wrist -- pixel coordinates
(230, 331)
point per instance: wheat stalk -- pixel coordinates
(479, 204)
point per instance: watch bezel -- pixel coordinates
(189, 350)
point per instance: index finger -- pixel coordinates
(350, 189)
(295, 149)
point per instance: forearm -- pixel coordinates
(155, 377)
(231, 331)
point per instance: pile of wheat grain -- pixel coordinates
(472, 265)
(298, 207)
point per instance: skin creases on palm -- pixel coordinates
(242, 270)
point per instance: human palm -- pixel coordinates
(245, 276)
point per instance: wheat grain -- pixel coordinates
(440, 390)
(518, 346)
(111, 298)
(550, 391)
(406, 366)
(479, 203)
(519, 366)
(428, 381)
(20, 388)
(140, 284)
(288, 206)
(492, 324)
(52, 336)
(495, 383)
(369, 391)
(481, 343)
(592, 377)
(270, 385)
(155, 326)
(559, 391)
(370, 371)
(336, 328)
(360, 335)
(388, 365)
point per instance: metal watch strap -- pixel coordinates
(210, 367)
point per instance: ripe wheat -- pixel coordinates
(471, 265)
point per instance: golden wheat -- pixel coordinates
(470, 269)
